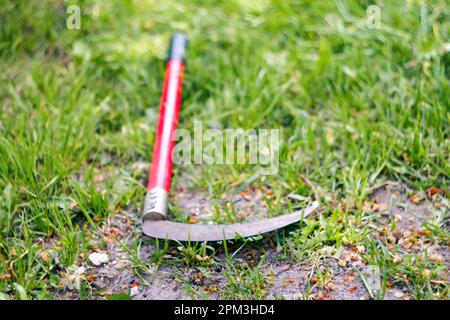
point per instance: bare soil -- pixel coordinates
(286, 279)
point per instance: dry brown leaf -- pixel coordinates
(5, 277)
(433, 190)
(352, 289)
(342, 263)
(193, 219)
(406, 234)
(330, 286)
(405, 243)
(376, 207)
(46, 256)
(360, 249)
(420, 232)
(114, 232)
(392, 238)
(245, 195)
(416, 198)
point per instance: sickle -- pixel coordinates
(156, 199)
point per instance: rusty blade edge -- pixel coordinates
(164, 229)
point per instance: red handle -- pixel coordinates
(158, 187)
(161, 169)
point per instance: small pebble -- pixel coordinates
(134, 291)
(97, 259)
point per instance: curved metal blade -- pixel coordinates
(164, 229)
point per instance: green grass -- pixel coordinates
(356, 107)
